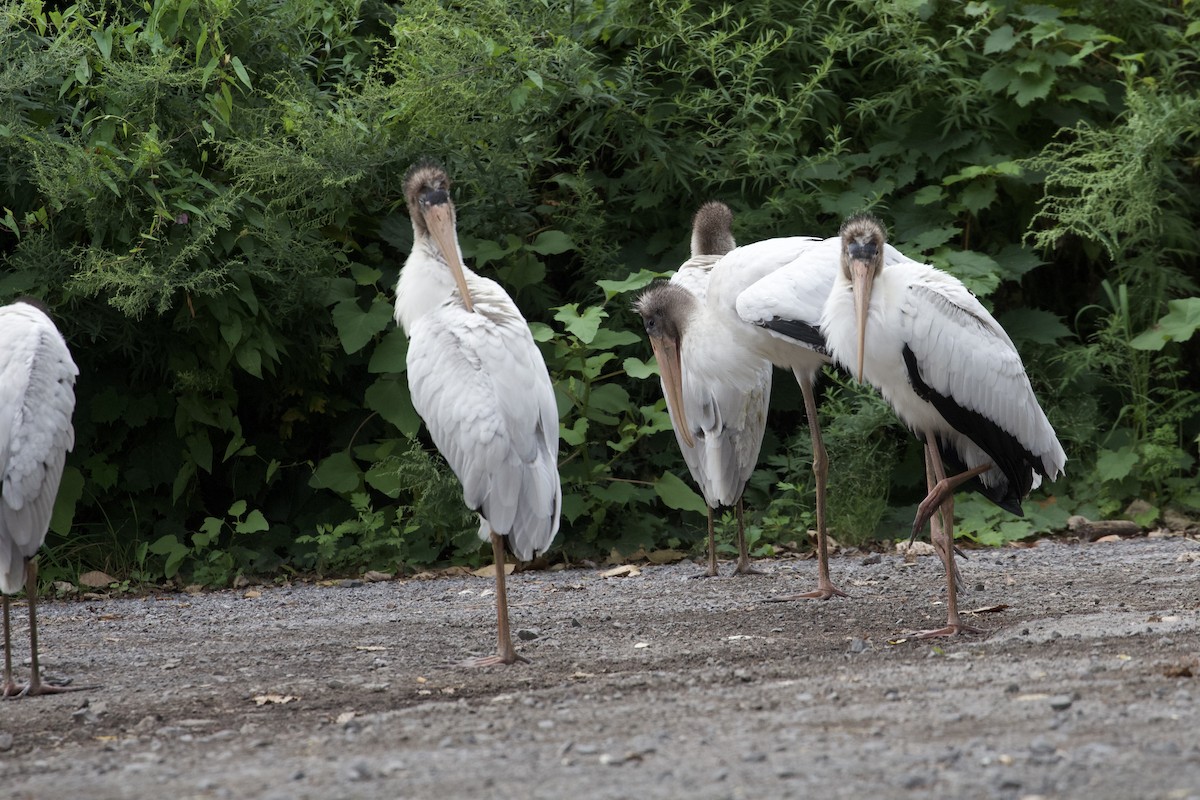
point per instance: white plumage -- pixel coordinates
(37, 399)
(768, 296)
(950, 372)
(723, 391)
(480, 384)
(962, 354)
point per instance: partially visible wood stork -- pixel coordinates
(756, 306)
(481, 386)
(776, 289)
(37, 399)
(952, 375)
(716, 393)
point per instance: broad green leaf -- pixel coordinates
(636, 368)
(1000, 40)
(584, 325)
(1179, 325)
(576, 434)
(635, 281)
(928, 195)
(978, 195)
(931, 238)
(1113, 465)
(237, 509)
(610, 397)
(524, 270)
(254, 522)
(549, 243)
(1015, 260)
(338, 472)
(391, 353)
(483, 251)
(976, 270)
(606, 339)
(1034, 325)
(677, 494)
(249, 359)
(541, 332)
(390, 397)
(1083, 93)
(1028, 87)
(385, 477)
(70, 489)
(364, 275)
(356, 327)
(108, 405)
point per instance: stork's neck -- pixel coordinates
(425, 282)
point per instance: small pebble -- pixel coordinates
(1061, 702)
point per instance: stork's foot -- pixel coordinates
(10, 689)
(744, 568)
(29, 690)
(951, 629)
(711, 572)
(824, 591)
(497, 660)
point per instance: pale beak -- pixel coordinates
(667, 353)
(861, 279)
(440, 221)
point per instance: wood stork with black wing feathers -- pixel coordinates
(37, 398)
(480, 384)
(952, 375)
(716, 393)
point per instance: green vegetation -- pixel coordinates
(207, 193)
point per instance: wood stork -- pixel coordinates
(750, 313)
(37, 398)
(480, 384)
(716, 393)
(952, 375)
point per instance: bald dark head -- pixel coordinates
(665, 309)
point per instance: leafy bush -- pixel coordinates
(207, 193)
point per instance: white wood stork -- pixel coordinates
(716, 393)
(777, 289)
(481, 386)
(952, 375)
(760, 306)
(37, 398)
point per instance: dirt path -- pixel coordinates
(649, 686)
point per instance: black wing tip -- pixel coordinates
(798, 330)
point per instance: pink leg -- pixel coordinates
(743, 562)
(942, 535)
(35, 687)
(825, 588)
(505, 652)
(8, 688)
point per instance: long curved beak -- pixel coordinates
(862, 277)
(667, 353)
(440, 220)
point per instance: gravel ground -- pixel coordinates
(649, 686)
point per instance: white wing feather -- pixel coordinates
(963, 353)
(481, 385)
(797, 290)
(726, 394)
(37, 399)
